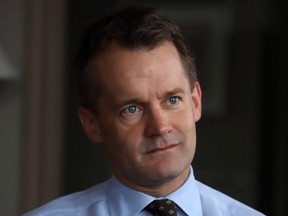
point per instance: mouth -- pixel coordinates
(162, 149)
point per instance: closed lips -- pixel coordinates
(162, 148)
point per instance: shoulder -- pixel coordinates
(79, 203)
(214, 201)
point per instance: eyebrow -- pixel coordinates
(174, 91)
(127, 102)
(132, 100)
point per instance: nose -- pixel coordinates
(157, 123)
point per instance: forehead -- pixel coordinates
(120, 70)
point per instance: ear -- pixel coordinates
(196, 98)
(90, 125)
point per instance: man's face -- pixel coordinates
(146, 114)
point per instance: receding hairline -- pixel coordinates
(114, 44)
(147, 30)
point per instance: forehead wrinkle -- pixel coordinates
(139, 91)
(134, 79)
(130, 93)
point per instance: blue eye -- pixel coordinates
(132, 109)
(173, 100)
(131, 114)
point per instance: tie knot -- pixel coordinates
(163, 207)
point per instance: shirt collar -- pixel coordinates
(187, 197)
(120, 196)
(123, 200)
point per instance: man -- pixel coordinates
(140, 97)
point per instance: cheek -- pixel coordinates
(128, 135)
(185, 124)
(123, 140)
(185, 119)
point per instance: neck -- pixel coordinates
(161, 189)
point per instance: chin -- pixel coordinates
(168, 173)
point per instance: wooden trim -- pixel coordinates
(43, 103)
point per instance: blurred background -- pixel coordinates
(241, 50)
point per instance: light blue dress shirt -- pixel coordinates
(113, 198)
